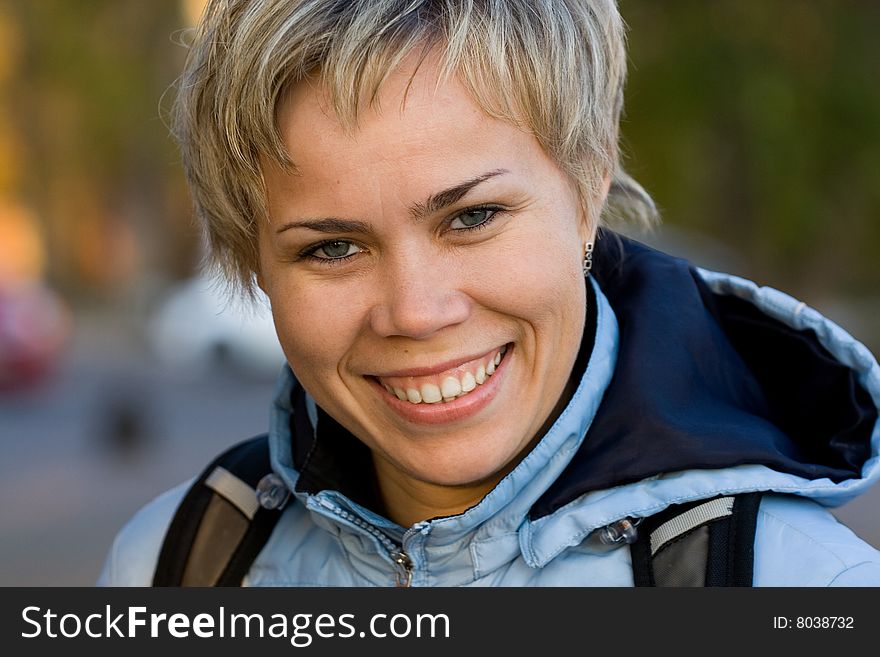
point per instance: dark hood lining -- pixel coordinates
(331, 458)
(708, 381)
(811, 395)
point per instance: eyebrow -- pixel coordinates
(450, 196)
(432, 204)
(329, 225)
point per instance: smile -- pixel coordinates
(447, 385)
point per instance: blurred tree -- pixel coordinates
(95, 160)
(758, 122)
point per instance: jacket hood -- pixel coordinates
(692, 384)
(715, 372)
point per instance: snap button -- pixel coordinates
(622, 531)
(271, 492)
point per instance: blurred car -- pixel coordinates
(34, 327)
(199, 328)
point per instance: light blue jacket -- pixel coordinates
(326, 539)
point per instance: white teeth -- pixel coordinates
(431, 393)
(450, 388)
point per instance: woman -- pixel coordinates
(484, 387)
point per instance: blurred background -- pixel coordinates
(755, 124)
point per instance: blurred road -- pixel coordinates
(116, 428)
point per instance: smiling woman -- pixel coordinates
(418, 188)
(440, 242)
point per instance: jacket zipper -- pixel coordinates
(404, 568)
(403, 564)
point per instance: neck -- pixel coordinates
(408, 500)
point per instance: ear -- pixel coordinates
(606, 185)
(261, 282)
(593, 210)
(256, 265)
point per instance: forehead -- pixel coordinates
(419, 136)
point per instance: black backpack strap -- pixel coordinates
(220, 526)
(702, 543)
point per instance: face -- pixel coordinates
(425, 277)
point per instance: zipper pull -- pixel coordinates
(404, 568)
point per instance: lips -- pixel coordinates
(446, 385)
(432, 383)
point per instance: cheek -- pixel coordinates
(315, 329)
(535, 274)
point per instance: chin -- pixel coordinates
(458, 474)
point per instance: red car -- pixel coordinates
(34, 325)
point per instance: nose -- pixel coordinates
(419, 297)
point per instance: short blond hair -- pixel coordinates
(555, 67)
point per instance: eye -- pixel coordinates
(473, 218)
(332, 250)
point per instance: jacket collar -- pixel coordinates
(716, 384)
(745, 389)
(485, 536)
(712, 375)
